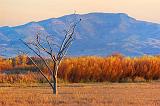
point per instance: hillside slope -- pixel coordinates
(97, 34)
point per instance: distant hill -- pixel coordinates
(97, 34)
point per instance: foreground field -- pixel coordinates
(96, 94)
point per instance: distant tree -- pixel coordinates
(17, 61)
(23, 59)
(116, 54)
(56, 52)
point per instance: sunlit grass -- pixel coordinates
(94, 94)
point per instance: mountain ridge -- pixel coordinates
(78, 14)
(97, 34)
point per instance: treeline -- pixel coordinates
(5, 64)
(114, 68)
(20, 62)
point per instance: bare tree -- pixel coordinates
(56, 55)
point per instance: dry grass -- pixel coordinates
(96, 94)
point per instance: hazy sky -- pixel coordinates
(16, 12)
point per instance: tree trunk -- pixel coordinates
(55, 91)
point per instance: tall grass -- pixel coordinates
(115, 68)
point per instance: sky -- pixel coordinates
(17, 12)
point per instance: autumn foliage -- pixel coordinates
(114, 68)
(5, 64)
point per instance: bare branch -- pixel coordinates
(41, 46)
(67, 41)
(40, 71)
(38, 56)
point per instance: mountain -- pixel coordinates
(97, 34)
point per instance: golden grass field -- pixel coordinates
(81, 94)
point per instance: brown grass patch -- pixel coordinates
(80, 94)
